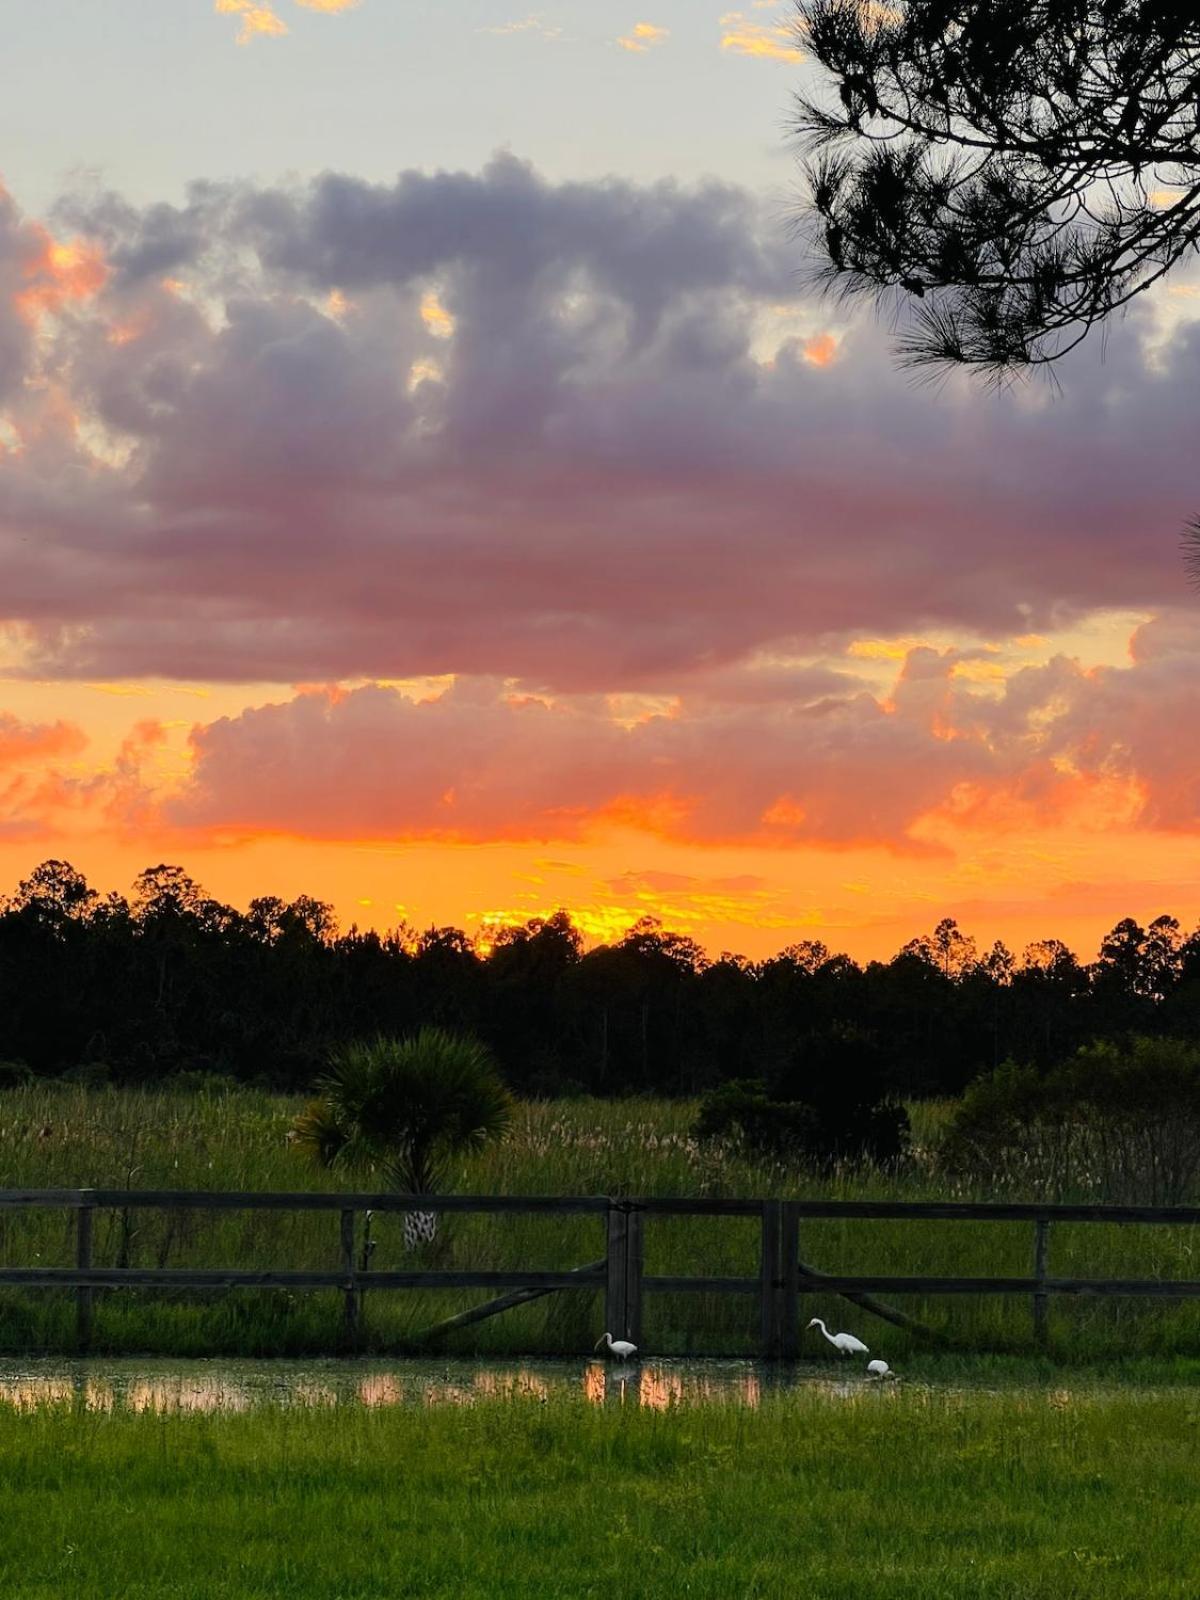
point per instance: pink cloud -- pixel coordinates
(476, 763)
(1056, 744)
(29, 783)
(22, 742)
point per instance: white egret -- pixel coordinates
(879, 1370)
(621, 1348)
(844, 1343)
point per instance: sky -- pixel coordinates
(429, 481)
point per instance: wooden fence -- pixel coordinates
(778, 1285)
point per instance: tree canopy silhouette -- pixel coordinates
(1017, 170)
(174, 982)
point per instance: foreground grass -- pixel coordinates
(68, 1136)
(902, 1493)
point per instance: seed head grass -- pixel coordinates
(69, 1136)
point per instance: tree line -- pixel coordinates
(171, 981)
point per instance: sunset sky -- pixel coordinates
(428, 482)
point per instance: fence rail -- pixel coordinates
(779, 1283)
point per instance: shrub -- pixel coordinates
(740, 1111)
(1114, 1122)
(827, 1106)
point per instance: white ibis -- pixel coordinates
(621, 1348)
(879, 1370)
(844, 1343)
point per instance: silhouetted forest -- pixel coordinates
(171, 981)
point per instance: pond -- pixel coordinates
(222, 1385)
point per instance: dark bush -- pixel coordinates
(827, 1106)
(741, 1111)
(841, 1075)
(1117, 1122)
(91, 1074)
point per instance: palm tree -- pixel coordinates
(402, 1109)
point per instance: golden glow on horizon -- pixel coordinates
(1055, 853)
(1045, 883)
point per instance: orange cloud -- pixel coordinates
(30, 793)
(830, 765)
(256, 20)
(1048, 794)
(20, 741)
(476, 764)
(642, 36)
(58, 273)
(773, 41)
(820, 350)
(262, 21)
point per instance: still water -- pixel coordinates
(205, 1386)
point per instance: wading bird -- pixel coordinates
(879, 1370)
(844, 1343)
(621, 1348)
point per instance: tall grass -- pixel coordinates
(901, 1494)
(69, 1136)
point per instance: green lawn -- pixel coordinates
(902, 1493)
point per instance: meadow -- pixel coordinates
(63, 1135)
(904, 1493)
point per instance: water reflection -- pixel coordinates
(206, 1386)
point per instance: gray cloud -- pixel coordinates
(596, 483)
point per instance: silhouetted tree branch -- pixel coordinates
(1018, 169)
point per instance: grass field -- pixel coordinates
(69, 1136)
(905, 1493)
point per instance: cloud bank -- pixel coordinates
(826, 765)
(572, 442)
(236, 448)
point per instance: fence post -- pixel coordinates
(1041, 1251)
(789, 1333)
(615, 1303)
(770, 1279)
(350, 1300)
(635, 1256)
(83, 1261)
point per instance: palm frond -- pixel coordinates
(402, 1108)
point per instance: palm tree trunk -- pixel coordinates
(420, 1228)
